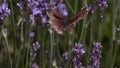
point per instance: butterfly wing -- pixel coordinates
(79, 16)
(57, 22)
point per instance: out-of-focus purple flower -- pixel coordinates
(36, 46)
(47, 53)
(39, 8)
(104, 4)
(62, 9)
(118, 41)
(32, 55)
(31, 34)
(35, 65)
(4, 10)
(95, 56)
(77, 53)
(101, 16)
(101, 3)
(44, 19)
(20, 6)
(118, 28)
(65, 56)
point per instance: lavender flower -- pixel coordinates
(118, 28)
(104, 4)
(35, 65)
(65, 56)
(47, 53)
(31, 34)
(77, 53)
(36, 46)
(4, 11)
(62, 9)
(95, 56)
(101, 3)
(32, 55)
(39, 8)
(118, 41)
(101, 16)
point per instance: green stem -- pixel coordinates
(27, 38)
(83, 30)
(7, 48)
(58, 51)
(51, 51)
(43, 39)
(27, 54)
(69, 6)
(109, 60)
(91, 38)
(69, 51)
(76, 4)
(14, 29)
(115, 54)
(19, 54)
(99, 32)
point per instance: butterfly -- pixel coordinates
(60, 24)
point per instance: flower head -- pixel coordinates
(36, 46)
(77, 53)
(35, 65)
(101, 3)
(32, 34)
(4, 10)
(33, 55)
(95, 56)
(39, 8)
(65, 56)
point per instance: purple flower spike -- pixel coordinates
(95, 56)
(31, 34)
(38, 9)
(4, 11)
(104, 4)
(32, 55)
(77, 53)
(35, 65)
(36, 46)
(44, 19)
(65, 56)
(62, 9)
(78, 49)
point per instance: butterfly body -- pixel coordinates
(59, 23)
